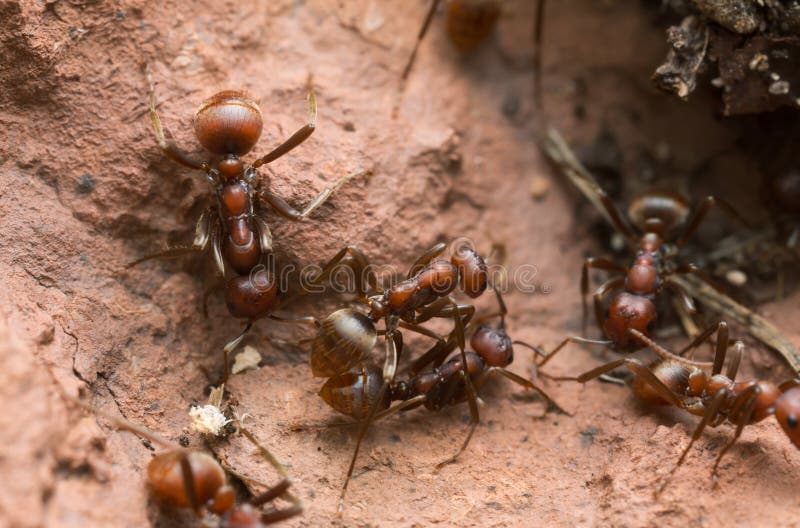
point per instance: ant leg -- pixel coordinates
(571, 339)
(230, 347)
(164, 138)
(264, 235)
(472, 398)
(680, 291)
(708, 417)
(189, 483)
(298, 137)
(736, 358)
(116, 421)
(389, 369)
(601, 264)
(271, 494)
(599, 294)
(422, 31)
(281, 515)
(663, 352)
(742, 410)
(702, 211)
(216, 250)
(287, 211)
(203, 233)
(493, 371)
(639, 369)
(356, 260)
(721, 329)
(425, 258)
(438, 353)
(409, 404)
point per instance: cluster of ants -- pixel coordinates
(459, 363)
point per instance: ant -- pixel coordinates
(365, 392)
(654, 214)
(191, 478)
(680, 382)
(469, 23)
(228, 125)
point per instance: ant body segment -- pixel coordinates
(191, 478)
(228, 125)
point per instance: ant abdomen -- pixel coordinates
(251, 296)
(354, 392)
(493, 345)
(343, 339)
(469, 22)
(228, 123)
(627, 312)
(166, 478)
(673, 374)
(787, 411)
(668, 207)
(472, 271)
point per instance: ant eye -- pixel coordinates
(791, 421)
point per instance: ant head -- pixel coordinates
(166, 478)
(787, 411)
(627, 312)
(354, 392)
(658, 211)
(493, 346)
(229, 123)
(343, 339)
(472, 271)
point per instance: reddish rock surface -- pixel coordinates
(85, 190)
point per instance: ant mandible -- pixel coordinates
(680, 382)
(190, 478)
(229, 125)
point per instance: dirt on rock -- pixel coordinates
(85, 190)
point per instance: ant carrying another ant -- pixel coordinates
(228, 125)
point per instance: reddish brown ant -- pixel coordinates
(190, 478)
(654, 214)
(229, 125)
(469, 23)
(678, 381)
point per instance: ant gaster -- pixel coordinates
(229, 125)
(469, 23)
